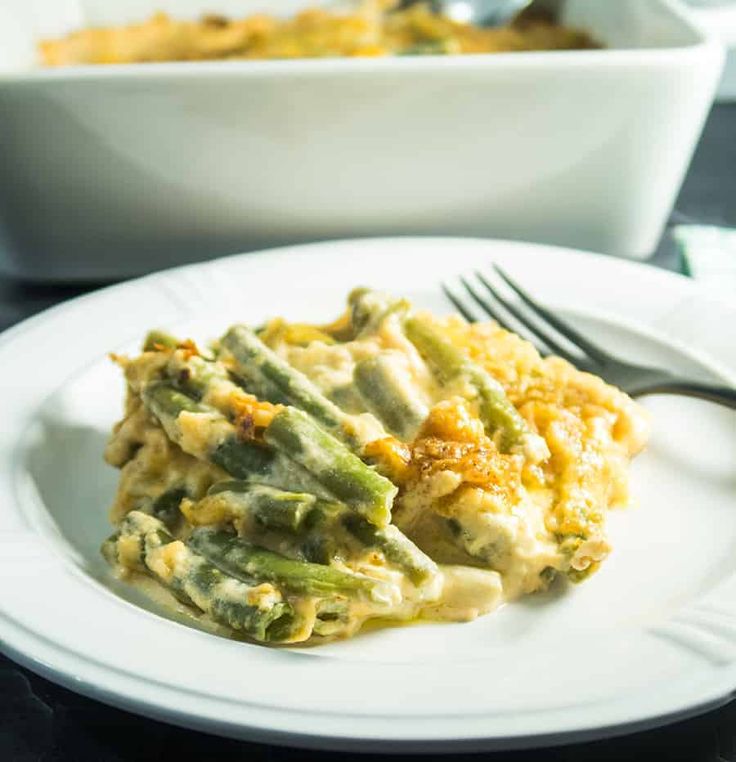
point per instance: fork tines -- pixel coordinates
(522, 315)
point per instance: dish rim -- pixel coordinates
(664, 56)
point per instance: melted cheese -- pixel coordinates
(317, 32)
(501, 525)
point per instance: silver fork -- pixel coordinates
(552, 335)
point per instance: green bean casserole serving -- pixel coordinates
(289, 484)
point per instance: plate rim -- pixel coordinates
(351, 741)
(356, 743)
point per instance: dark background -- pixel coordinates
(41, 722)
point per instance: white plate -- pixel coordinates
(650, 638)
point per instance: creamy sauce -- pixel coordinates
(588, 432)
(501, 525)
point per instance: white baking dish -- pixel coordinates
(110, 171)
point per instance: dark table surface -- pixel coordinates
(41, 722)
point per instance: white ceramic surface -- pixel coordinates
(112, 171)
(717, 18)
(650, 638)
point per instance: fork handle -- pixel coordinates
(723, 395)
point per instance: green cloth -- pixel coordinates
(709, 256)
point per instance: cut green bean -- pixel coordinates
(158, 339)
(303, 523)
(246, 561)
(166, 506)
(396, 547)
(333, 617)
(368, 309)
(266, 506)
(279, 382)
(316, 526)
(167, 403)
(450, 363)
(256, 610)
(221, 444)
(295, 434)
(389, 394)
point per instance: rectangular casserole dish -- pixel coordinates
(111, 171)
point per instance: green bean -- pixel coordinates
(266, 506)
(314, 528)
(449, 363)
(244, 460)
(256, 610)
(389, 395)
(368, 309)
(158, 339)
(166, 506)
(396, 547)
(273, 378)
(246, 561)
(222, 445)
(295, 434)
